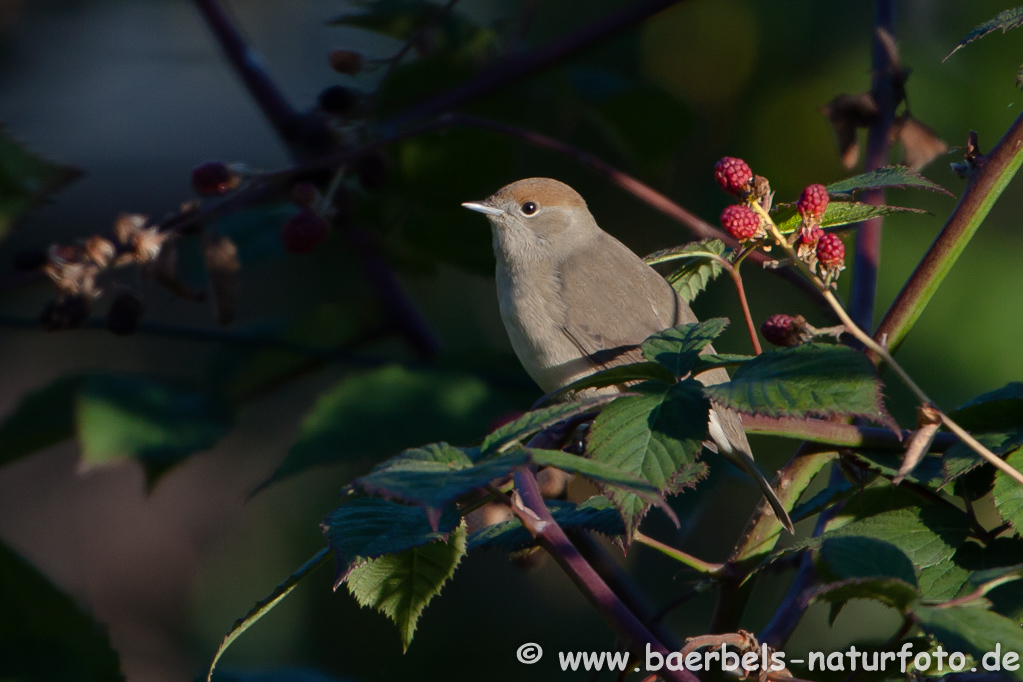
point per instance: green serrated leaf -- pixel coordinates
(379, 412)
(892, 592)
(45, 635)
(511, 434)
(677, 349)
(369, 527)
(971, 629)
(853, 556)
(593, 469)
(264, 606)
(831, 494)
(401, 585)
(838, 213)
(617, 376)
(656, 436)
(887, 463)
(435, 475)
(960, 459)
(993, 411)
(928, 535)
(1004, 21)
(943, 580)
(709, 361)
(26, 181)
(889, 176)
(595, 514)
(812, 379)
(702, 265)
(1008, 494)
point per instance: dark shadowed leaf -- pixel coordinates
(117, 417)
(892, 592)
(42, 418)
(960, 459)
(369, 527)
(656, 436)
(1008, 494)
(401, 585)
(26, 181)
(701, 266)
(595, 514)
(886, 462)
(993, 411)
(1009, 19)
(513, 433)
(853, 556)
(380, 412)
(44, 634)
(812, 379)
(971, 629)
(435, 475)
(889, 176)
(264, 606)
(677, 349)
(709, 361)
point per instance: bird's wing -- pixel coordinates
(614, 301)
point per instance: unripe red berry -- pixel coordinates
(812, 203)
(734, 175)
(810, 235)
(213, 179)
(740, 221)
(782, 330)
(304, 232)
(346, 61)
(831, 251)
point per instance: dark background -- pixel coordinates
(136, 93)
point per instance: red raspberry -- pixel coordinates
(734, 175)
(831, 252)
(346, 61)
(213, 179)
(304, 232)
(784, 330)
(812, 203)
(740, 221)
(810, 235)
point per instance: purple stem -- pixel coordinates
(552, 538)
(868, 234)
(288, 123)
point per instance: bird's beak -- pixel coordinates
(480, 207)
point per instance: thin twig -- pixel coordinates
(292, 127)
(699, 565)
(750, 327)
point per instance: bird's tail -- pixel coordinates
(735, 448)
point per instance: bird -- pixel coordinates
(575, 300)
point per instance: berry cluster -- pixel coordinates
(739, 220)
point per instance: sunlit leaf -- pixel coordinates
(812, 379)
(678, 348)
(887, 177)
(401, 585)
(701, 265)
(1004, 21)
(657, 436)
(838, 213)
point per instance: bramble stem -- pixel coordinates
(989, 178)
(537, 519)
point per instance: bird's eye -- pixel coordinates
(528, 208)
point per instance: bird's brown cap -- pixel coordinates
(544, 191)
